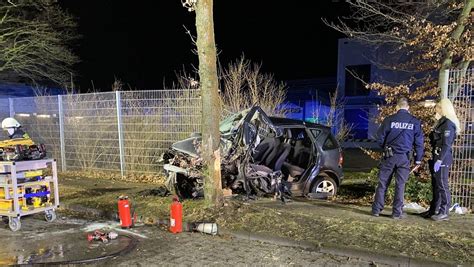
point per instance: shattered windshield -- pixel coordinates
(231, 121)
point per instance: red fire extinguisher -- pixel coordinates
(125, 213)
(176, 216)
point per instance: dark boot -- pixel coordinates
(427, 214)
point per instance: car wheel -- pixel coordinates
(323, 187)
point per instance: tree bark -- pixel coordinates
(455, 36)
(206, 48)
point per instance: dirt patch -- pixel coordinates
(116, 176)
(102, 194)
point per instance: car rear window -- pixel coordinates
(330, 143)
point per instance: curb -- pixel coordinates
(394, 260)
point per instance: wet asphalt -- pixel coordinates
(64, 241)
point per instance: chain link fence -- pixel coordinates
(125, 131)
(461, 93)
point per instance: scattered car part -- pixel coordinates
(203, 227)
(98, 235)
(207, 228)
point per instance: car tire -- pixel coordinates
(323, 187)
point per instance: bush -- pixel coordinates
(244, 85)
(415, 190)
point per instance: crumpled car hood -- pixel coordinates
(187, 146)
(228, 124)
(226, 127)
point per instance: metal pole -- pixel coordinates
(62, 144)
(55, 183)
(16, 203)
(445, 85)
(12, 110)
(120, 132)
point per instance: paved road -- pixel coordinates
(40, 242)
(197, 249)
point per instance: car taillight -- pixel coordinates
(341, 159)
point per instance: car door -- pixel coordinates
(255, 123)
(315, 169)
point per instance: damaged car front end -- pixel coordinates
(258, 157)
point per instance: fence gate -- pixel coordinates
(461, 92)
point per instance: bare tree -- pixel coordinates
(423, 38)
(211, 108)
(335, 118)
(33, 41)
(244, 85)
(419, 39)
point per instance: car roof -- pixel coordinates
(292, 122)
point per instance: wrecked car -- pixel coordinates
(261, 155)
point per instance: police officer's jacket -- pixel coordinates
(19, 133)
(442, 138)
(402, 131)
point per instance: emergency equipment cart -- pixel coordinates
(28, 187)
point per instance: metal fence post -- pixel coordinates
(120, 132)
(12, 110)
(62, 144)
(445, 85)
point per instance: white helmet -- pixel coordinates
(10, 123)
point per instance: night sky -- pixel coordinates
(143, 43)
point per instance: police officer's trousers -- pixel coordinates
(399, 166)
(439, 180)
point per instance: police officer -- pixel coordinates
(397, 135)
(441, 139)
(13, 127)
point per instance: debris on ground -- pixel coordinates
(98, 235)
(414, 208)
(207, 228)
(160, 191)
(344, 220)
(203, 227)
(456, 208)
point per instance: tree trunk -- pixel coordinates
(210, 101)
(455, 36)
